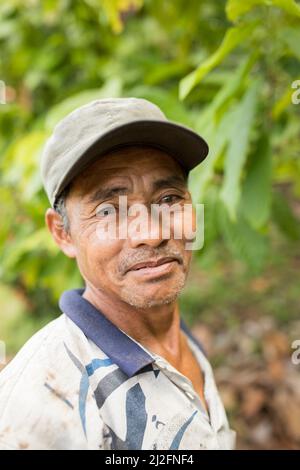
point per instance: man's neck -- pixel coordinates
(157, 328)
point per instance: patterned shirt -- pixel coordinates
(82, 383)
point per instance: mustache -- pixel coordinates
(142, 256)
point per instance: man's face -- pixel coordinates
(140, 270)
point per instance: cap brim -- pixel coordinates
(186, 146)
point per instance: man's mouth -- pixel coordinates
(154, 267)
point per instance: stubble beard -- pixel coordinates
(141, 301)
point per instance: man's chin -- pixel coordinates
(154, 297)
(150, 303)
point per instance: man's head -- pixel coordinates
(117, 267)
(111, 148)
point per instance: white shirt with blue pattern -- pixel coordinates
(82, 383)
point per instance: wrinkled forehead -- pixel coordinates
(144, 163)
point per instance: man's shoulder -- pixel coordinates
(49, 351)
(40, 346)
(39, 387)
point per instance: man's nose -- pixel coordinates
(147, 231)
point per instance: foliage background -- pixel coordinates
(225, 69)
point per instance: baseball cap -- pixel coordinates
(103, 125)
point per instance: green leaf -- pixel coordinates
(231, 87)
(203, 173)
(242, 240)
(233, 37)
(22, 247)
(256, 195)
(291, 37)
(238, 148)
(111, 89)
(289, 6)
(21, 163)
(210, 215)
(284, 101)
(237, 8)
(284, 217)
(114, 8)
(169, 104)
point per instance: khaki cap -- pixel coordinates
(103, 125)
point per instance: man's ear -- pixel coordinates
(62, 238)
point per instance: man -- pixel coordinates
(118, 369)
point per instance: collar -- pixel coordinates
(126, 353)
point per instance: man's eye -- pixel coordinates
(105, 211)
(170, 199)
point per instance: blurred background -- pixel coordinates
(224, 68)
